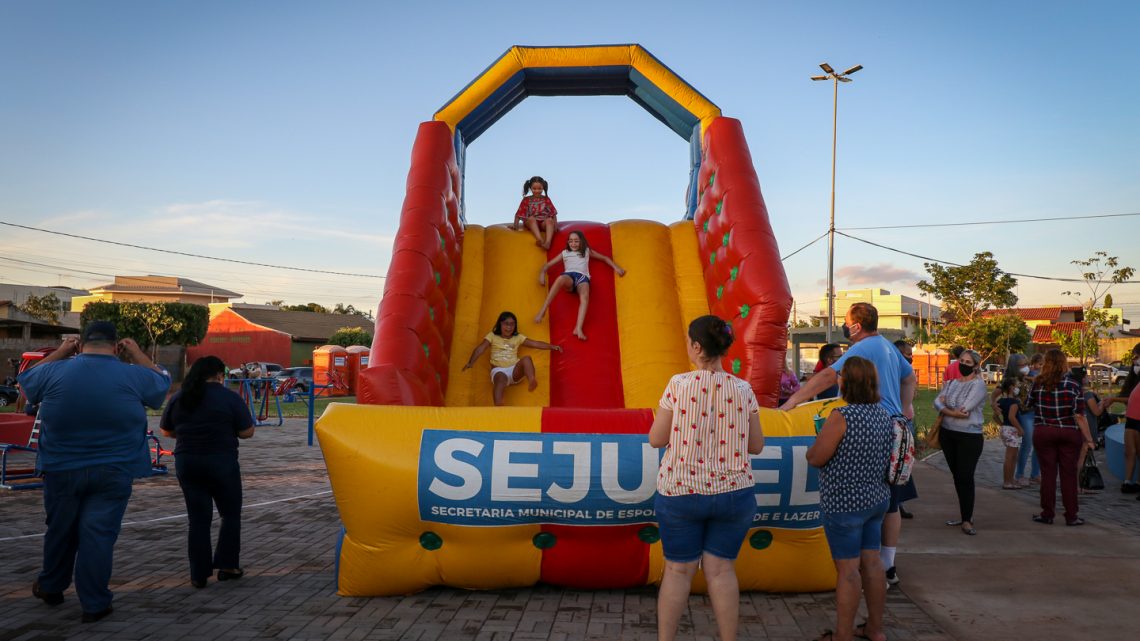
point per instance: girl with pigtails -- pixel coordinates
(536, 212)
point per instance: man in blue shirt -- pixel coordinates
(92, 446)
(896, 394)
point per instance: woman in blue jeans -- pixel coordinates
(1026, 456)
(852, 453)
(208, 419)
(708, 420)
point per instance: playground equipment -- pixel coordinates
(433, 487)
(259, 395)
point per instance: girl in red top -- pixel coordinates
(537, 212)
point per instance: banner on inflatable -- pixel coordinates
(505, 478)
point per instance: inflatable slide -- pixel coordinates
(437, 487)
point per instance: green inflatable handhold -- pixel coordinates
(427, 352)
(649, 534)
(706, 226)
(724, 241)
(719, 292)
(430, 541)
(736, 366)
(712, 258)
(437, 279)
(712, 179)
(733, 273)
(744, 309)
(442, 244)
(431, 313)
(544, 540)
(719, 205)
(760, 539)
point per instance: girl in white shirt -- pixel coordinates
(575, 277)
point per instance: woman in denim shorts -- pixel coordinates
(708, 423)
(852, 453)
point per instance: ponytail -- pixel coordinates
(194, 385)
(713, 333)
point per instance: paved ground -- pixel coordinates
(290, 527)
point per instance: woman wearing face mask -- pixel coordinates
(1129, 395)
(960, 404)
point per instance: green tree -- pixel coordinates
(349, 336)
(1100, 273)
(342, 309)
(153, 324)
(45, 308)
(1107, 301)
(968, 290)
(990, 336)
(310, 307)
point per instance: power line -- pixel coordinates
(804, 247)
(990, 222)
(178, 253)
(947, 262)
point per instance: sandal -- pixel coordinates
(1037, 518)
(1011, 486)
(1075, 522)
(970, 531)
(954, 522)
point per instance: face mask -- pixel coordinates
(1016, 391)
(1024, 369)
(846, 331)
(965, 370)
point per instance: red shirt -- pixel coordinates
(952, 371)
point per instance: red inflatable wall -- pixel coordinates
(744, 278)
(408, 363)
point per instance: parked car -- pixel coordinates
(268, 370)
(991, 373)
(8, 395)
(1106, 374)
(304, 376)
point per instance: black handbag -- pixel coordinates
(1090, 478)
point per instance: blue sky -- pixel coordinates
(280, 132)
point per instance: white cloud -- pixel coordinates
(880, 274)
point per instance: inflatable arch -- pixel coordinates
(434, 487)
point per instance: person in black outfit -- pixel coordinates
(208, 419)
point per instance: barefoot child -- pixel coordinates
(506, 366)
(576, 277)
(536, 211)
(1011, 431)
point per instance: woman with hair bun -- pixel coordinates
(708, 422)
(208, 419)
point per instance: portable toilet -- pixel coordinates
(357, 361)
(330, 367)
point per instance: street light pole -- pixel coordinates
(836, 78)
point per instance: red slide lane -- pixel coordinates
(597, 557)
(586, 373)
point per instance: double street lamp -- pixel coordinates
(836, 78)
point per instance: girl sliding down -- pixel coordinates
(506, 366)
(576, 277)
(537, 212)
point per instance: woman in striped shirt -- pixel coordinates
(708, 423)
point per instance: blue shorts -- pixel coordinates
(692, 524)
(576, 279)
(901, 494)
(849, 533)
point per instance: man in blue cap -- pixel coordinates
(92, 446)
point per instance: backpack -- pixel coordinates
(901, 463)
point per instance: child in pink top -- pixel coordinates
(537, 211)
(708, 422)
